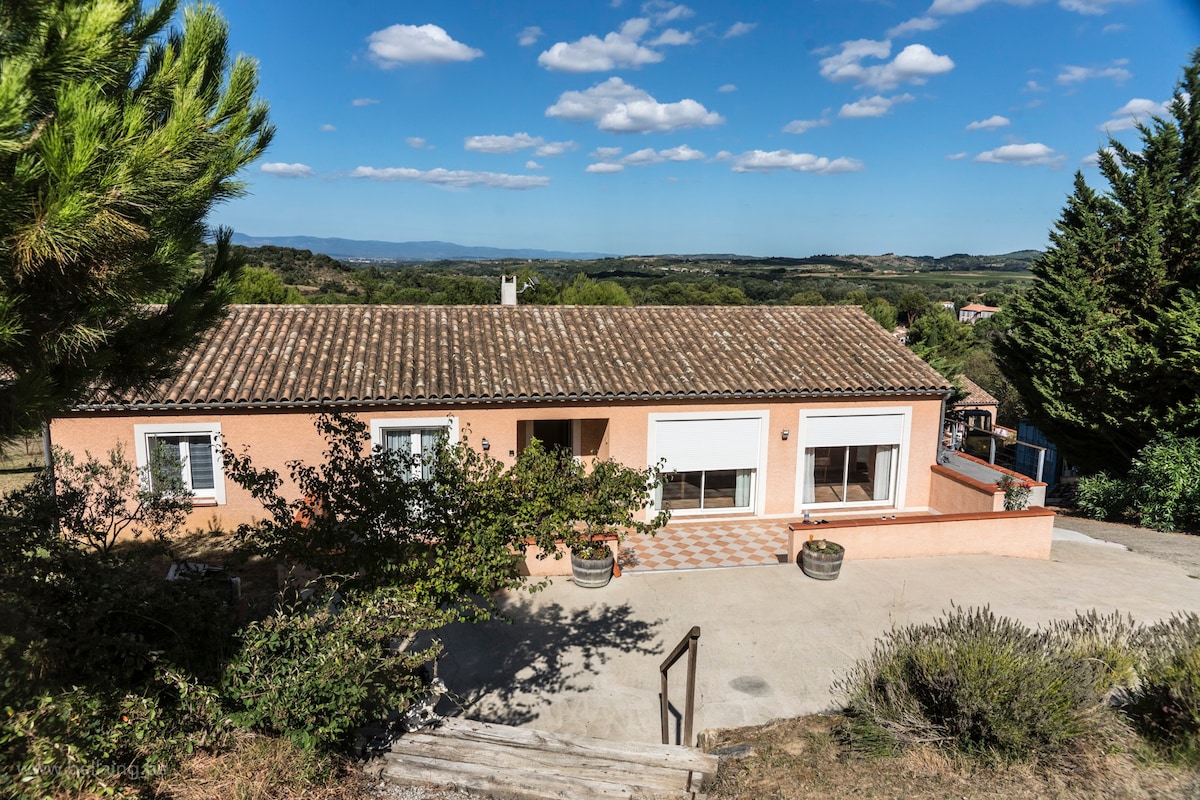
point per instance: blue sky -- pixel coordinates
(758, 128)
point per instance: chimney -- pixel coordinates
(508, 290)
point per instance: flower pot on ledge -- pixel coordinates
(821, 559)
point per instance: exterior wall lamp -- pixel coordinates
(786, 434)
(485, 444)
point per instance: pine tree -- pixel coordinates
(118, 134)
(1105, 349)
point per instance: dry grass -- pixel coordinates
(803, 758)
(262, 768)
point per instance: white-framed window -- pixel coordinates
(189, 447)
(854, 457)
(417, 436)
(712, 462)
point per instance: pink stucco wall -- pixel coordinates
(1020, 534)
(276, 436)
(955, 493)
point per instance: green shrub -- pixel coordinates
(1102, 496)
(985, 687)
(1165, 482)
(1113, 643)
(1166, 706)
(321, 668)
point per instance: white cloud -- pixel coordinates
(282, 170)
(555, 148)
(622, 108)
(327, 128)
(1034, 154)
(763, 161)
(681, 153)
(415, 44)
(1079, 6)
(989, 124)
(957, 156)
(359, 102)
(671, 37)
(518, 141)
(1135, 112)
(1074, 74)
(1034, 86)
(914, 64)
(963, 6)
(605, 153)
(592, 54)
(876, 106)
(804, 125)
(727, 87)
(604, 167)
(1089, 6)
(740, 29)
(452, 179)
(913, 25)
(1115, 27)
(529, 36)
(415, 142)
(501, 144)
(642, 157)
(533, 165)
(664, 11)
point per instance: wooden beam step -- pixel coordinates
(629, 753)
(516, 783)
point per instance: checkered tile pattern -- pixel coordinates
(707, 546)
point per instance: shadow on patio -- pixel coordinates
(505, 671)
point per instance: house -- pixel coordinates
(758, 412)
(979, 408)
(975, 311)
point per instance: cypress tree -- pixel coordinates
(119, 131)
(1105, 347)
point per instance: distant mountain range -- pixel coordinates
(404, 251)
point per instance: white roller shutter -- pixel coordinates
(854, 430)
(698, 444)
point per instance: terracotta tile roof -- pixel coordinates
(976, 395)
(317, 354)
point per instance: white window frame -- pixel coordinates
(900, 459)
(141, 445)
(380, 425)
(757, 478)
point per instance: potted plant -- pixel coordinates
(821, 559)
(567, 508)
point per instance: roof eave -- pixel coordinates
(942, 392)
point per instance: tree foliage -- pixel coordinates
(1103, 348)
(118, 134)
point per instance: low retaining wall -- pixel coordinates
(542, 567)
(1020, 534)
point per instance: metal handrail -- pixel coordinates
(688, 643)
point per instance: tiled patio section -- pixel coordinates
(707, 545)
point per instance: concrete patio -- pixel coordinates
(773, 641)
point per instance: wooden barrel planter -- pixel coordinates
(821, 559)
(592, 573)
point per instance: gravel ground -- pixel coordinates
(1180, 549)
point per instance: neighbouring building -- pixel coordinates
(975, 311)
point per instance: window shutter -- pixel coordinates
(702, 444)
(854, 430)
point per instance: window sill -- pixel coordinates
(204, 502)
